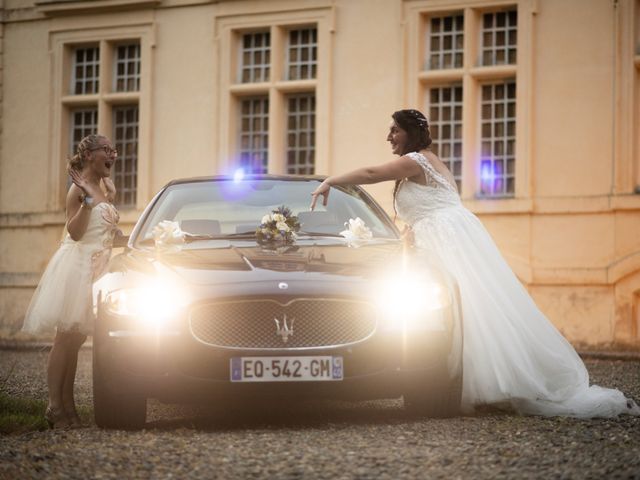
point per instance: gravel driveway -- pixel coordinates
(318, 440)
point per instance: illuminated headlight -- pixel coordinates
(152, 305)
(407, 295)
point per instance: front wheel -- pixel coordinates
(437, 398)
(115, 408)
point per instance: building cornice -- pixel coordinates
(73, 7)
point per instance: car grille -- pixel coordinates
(252, 324)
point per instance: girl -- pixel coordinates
(63, 299)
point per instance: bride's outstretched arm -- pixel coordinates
(397, 169)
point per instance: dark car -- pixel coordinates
(198, 308)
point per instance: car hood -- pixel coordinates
(248, 262)
(241, 269)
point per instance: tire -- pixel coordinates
(439, 397)
(114, 409)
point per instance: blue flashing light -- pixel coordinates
(487, 174)
(238, 175)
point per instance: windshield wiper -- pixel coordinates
(189, 238)
(319, 234)
(196, 238)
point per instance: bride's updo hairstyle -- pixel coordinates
(418, 135)
(417, 127)
(87, 144)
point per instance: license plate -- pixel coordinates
(286, 369)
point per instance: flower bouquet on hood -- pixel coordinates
(278, 227)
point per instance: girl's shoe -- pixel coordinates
(74, 419)
(56, 418)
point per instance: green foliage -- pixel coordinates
(19, 415)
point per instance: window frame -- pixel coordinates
(473, 75)
(241, 50)
(64, 101)
(277, 88)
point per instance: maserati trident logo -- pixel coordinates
(284, 329)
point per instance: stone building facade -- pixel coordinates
(534, 105)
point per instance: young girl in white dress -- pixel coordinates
(512, 353)
(63, 300)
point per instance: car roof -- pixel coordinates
(253, 176)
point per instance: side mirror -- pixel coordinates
(120, 241)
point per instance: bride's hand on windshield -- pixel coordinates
(323, 189)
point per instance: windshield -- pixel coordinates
(227, 208)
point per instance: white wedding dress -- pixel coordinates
(63, 299)
(512, 353)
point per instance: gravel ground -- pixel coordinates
(332, 440)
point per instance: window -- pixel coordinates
(301, 133)
(476, 80)
(275, 98)
(99, 108)
(445, 114)
(125, 139)
(446, 42)
(254, 134)
(84, 121)
(255, 57)
(86, 71)
(127, 71)
(302, 54)
(498, 124)
(499, 37)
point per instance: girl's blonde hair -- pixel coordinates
(87, 144)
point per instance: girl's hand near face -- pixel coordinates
(82, 183)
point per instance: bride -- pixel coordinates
(512, 353)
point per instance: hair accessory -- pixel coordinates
(420, 119)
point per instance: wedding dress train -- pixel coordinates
(512, 353)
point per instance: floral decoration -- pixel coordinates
(279, 226)
(168, 236)
(357, 232)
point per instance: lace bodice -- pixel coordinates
(98, 238)
(415, 202)
(101, 228)
(63, 301)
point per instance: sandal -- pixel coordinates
(74, 419)
(56, 418)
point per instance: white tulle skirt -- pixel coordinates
(512, 352)
(62, 299)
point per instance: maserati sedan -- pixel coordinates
(230, 288)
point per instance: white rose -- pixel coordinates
(282, 226)
(168, 235)
(278, 217)
(359, 229)
(357, 232)
(266, 219)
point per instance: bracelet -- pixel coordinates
(86, 201)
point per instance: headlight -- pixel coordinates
(409, 297)
(152, 304)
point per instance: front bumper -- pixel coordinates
(175, 368)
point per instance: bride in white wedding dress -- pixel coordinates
(512, 353)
